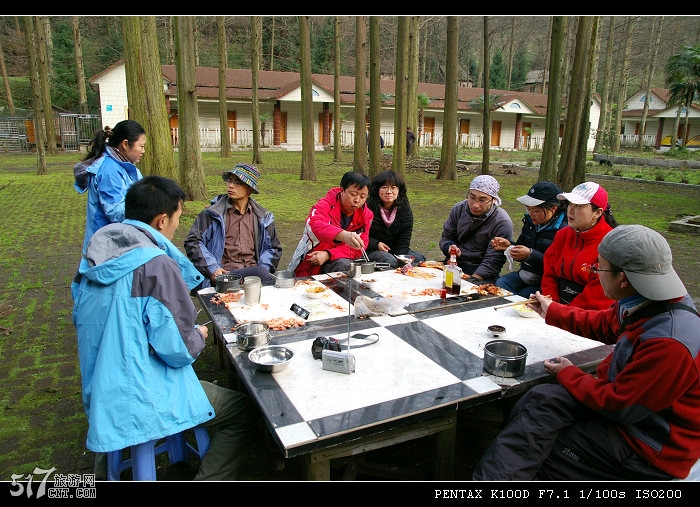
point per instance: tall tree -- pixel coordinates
(79, 68)
(486, 125)
(6, 81)
(572, 163)
(146, 100)
(39, 132)
(448, 153)
(337, 119)
(189, 146)
(624, 79)
(360, 160)
(308, 167)
(683, 81)
(550, 147)
(412, 83)
(223, 103)
(375, 100)
(602, 137)
(44, 81)
(651, 64)
(255, 51)
(400, 105)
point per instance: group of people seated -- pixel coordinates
(636, 418)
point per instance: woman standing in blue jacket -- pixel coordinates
(107, 172)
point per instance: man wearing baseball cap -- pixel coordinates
(545, 216)
(235, 234)
(589, 218)
(638, 417)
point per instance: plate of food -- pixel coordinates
(315, 292)
(525, 311)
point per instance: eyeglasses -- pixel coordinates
(234, 181)
(388, 188)
(534, 210)
(593, 268)
(479, 200)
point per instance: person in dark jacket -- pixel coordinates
(392, 226)
(410, 139)
(235, 234)
(638, 417)
(471, 225)
(545, 216)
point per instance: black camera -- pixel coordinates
(321, 343)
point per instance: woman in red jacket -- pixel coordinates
(336, 230)
(566, 277)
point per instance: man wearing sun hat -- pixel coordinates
(589, 218)
(470, 226)
(545, 216)
(235, 234)
(638, 417)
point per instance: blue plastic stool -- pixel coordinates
(142, 459)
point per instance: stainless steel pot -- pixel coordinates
(284, 279)
(252, 334)
(229, 282)
(505, 358)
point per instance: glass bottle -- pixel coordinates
(452, 280)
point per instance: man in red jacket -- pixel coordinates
(336, 230)
(638, 417)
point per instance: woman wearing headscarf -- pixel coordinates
(471, 225)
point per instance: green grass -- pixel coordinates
(42, 220)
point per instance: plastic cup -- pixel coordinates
(251, 290)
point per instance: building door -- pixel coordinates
(526, 132)
(283, 126)
(428, 131)
(232, 134)
(495, 133)
(463, 132)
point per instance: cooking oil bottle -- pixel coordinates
(452, 280)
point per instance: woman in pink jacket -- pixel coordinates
(336, 230)
(567, 277)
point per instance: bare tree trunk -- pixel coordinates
(375, 101)
(550, 148)
(79, 70)
(337, 120)
(398, 163)
(255, 50)
(29, 38)
(486, 148)
(308, 168)
(272, 45)
(190, 159)
(602, 138)
(43, 67)
(6, 81)
(622, 89)
(144, 89)
(448, 153)
(223, 102)
(572, 168)
(412, 84)
(360, 148)
(653, 51)
(511, 52)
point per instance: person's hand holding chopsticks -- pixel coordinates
(539, 303)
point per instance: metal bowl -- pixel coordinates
(250, 335)
(505, 358)
(271, 358)
(229, 282)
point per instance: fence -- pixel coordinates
(72, 131)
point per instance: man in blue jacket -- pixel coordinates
(235, 234)
(138, 338)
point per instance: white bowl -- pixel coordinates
(316, 292)
(524, 311)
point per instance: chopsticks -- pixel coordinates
(516, 303)
(512, 304)
(364, 255)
